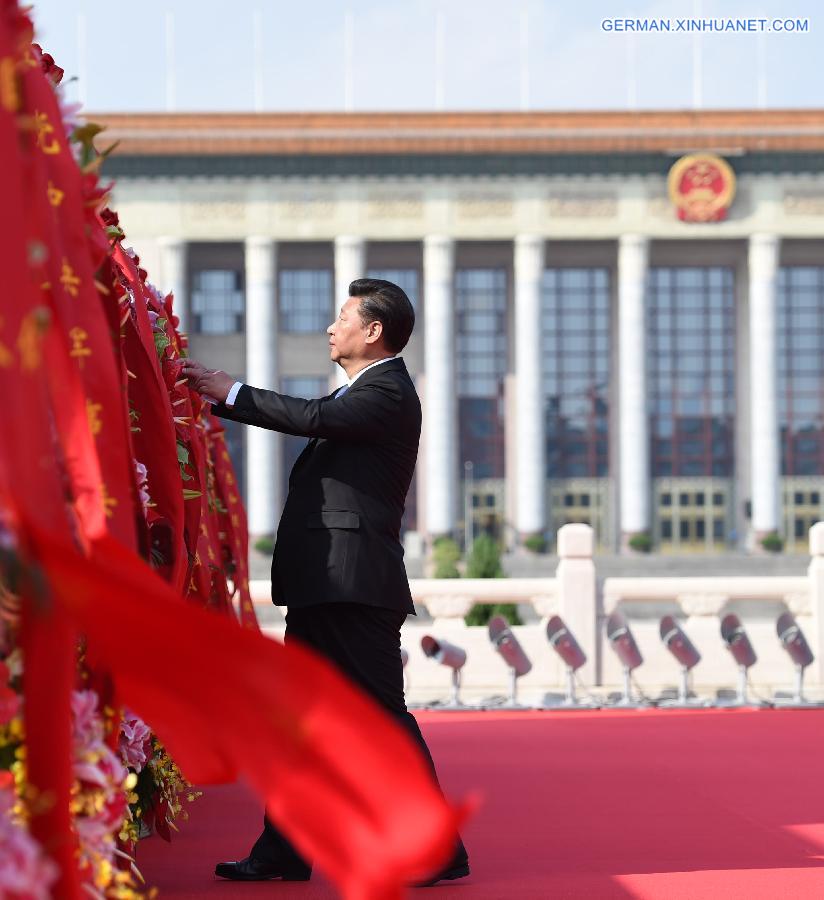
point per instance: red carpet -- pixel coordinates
(650, 805)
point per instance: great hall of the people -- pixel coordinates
(620, 316)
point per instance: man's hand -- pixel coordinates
(210, 383)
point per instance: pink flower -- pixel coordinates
(24, 871)
(88, 729)
(135, 742)
(142, 485)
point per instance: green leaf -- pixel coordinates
(190, 495)
(161, 342)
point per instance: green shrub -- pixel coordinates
(536, 543)
(445, 570)
(772, 542)
(641, 542)
(445, 556)
(481, 613)
(265, 545)
(484, 560)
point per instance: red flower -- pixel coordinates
(52, 71)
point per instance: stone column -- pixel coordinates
(263, 447)
(439, 407)
(530, 475)
(172, 253)
(350, 263)
(634, 480)
(764, 440)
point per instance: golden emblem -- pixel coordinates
(702, 187)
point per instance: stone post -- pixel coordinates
(815, 573)
(577, 594)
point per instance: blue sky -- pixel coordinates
(572, 62)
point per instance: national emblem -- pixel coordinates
(702, 187)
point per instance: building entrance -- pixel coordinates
(692, 515)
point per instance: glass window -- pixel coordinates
(801, 369)
(305, 300)
(217, 301)
(405, 279)
(480, 305)
(575, 332)
(691, 371)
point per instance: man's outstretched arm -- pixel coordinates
(364, 413)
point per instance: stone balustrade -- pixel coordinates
(574, 594)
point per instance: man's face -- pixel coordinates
(347, 334)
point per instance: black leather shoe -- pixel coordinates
(457, 867)
(251, 869)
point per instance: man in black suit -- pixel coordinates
(338, 560)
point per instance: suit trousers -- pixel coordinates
(365, 644)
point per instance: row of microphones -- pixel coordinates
(681, 647)
(624, 645)
(509, 648)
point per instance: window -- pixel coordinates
(691, 370)
(405, 279)
(480, 301)
(217, 301)
(305, 300)
(801, 369)
(575, 329)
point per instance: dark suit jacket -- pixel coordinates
(339, 536)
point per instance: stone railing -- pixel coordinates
(697, 602)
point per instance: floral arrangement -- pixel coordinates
(174, 499)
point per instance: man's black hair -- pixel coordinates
(385, 302)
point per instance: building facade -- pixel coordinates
(583, 353)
